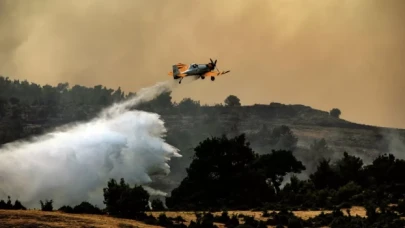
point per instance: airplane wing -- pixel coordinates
(215, 73)
(177, 69)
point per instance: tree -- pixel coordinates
(3, 105)
(123, 201)
(277, 164)
(220, 176)
(223, 172)
(335, 112)
(232, 101)
(47, 206)
(118, 95)
(350, 168)
(325, 176)
(157, 205)
(282, 138)
(18, 205)
(187, 105)
(14, 101)
(162, 102)
(320, 149)
(386, 171)
(86, 208)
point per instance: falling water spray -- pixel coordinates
(75, 162)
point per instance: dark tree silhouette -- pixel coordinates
(47, 205)
(86, 208)
(335, 112)
(189, 106)
(350, 168)
(325, 176)
(282, 138)
(157, 205)
(232, 101)
(163, 102)
(226, 172)
(123, 201)
(220, 176)
(276, 165)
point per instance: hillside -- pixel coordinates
(37, 218)
(28, 109)
(309, 125)
(263, 157)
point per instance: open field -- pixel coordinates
(35, 218)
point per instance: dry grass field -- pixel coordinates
(189, 216)
(34, 218)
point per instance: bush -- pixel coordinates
(400, 207)
(123, 201)
(86, 208)
(224, 218)
(47, 206)
(18, 206)
(157, 205)
(294, 223)
(66, 209)
(9, 206)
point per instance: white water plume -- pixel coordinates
(74, 163)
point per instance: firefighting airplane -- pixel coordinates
(181, 70)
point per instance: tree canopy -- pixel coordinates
(227, 173)
(335, 112)
(232, 101)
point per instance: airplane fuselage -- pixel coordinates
(192, 70)
(181, 70)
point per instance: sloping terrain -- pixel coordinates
(306, 123)
(29, 109)
(35, 218)
(187, 126)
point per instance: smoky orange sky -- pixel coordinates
(348, 54)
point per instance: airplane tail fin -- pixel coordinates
(176, 72)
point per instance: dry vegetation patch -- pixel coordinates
(190, 216)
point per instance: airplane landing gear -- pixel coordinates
(212, 78)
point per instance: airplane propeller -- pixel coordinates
(214, 64)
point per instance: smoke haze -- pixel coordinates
(326, 54)
(73, 164)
